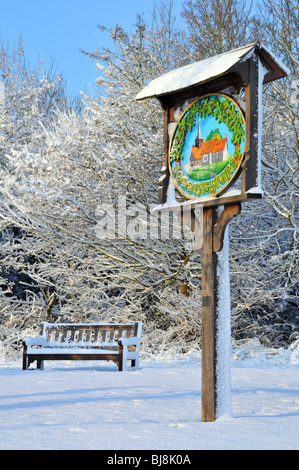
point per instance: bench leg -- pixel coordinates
(120, 363)
(120, 357)
(135, 363)
(25, 362)
(40, 364)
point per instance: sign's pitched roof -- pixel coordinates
(205, 70)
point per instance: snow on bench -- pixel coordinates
(85, 341)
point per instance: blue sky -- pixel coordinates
(57, 29)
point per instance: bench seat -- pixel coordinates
(71, 350)
(119, 343)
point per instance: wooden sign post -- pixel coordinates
(212, 140)
(213, 234)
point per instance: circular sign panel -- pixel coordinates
(207, 146)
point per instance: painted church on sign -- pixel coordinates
(206, 153)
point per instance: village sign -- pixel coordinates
(212, 140)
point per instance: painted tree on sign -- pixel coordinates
(222, 109)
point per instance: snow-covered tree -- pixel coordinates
(57, 191)
(217, 26)
(264, 240)
(79, 239)
(281, 110)
(28, 101)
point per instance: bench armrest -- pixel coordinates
(134, 341)
(38, 341)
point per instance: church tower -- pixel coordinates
(199, 139)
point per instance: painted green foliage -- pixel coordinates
(222, 109)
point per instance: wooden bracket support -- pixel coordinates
(228, 213)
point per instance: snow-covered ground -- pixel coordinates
(90, 405)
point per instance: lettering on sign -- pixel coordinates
(206, 149)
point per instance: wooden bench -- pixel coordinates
(77, 341)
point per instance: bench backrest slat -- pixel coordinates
(70, 334)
